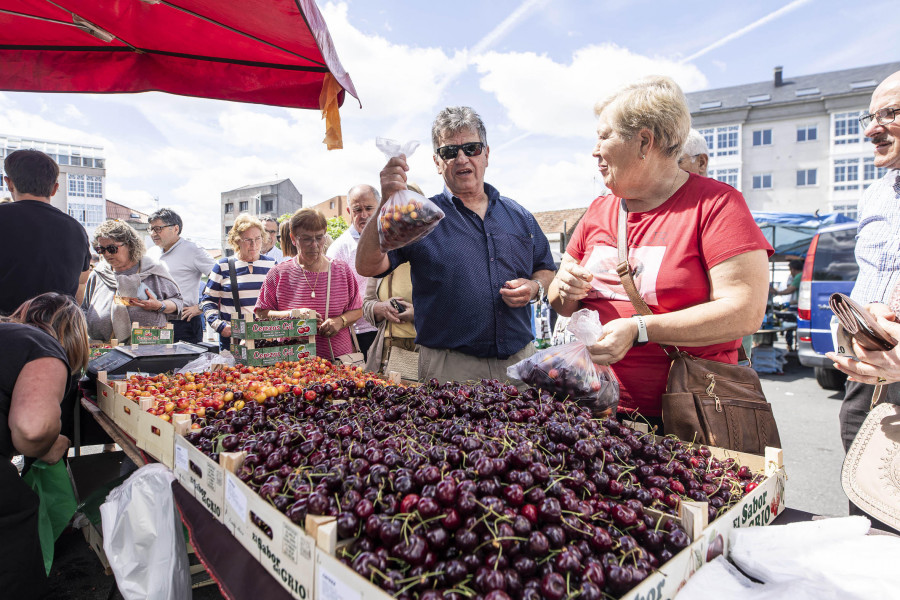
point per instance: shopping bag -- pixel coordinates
(406, 217)
(54, 488)
(567, 371)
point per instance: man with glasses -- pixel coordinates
(43, 248)
(362, 202)
(269, 248)
(878, 240)
(473, 276)
(187, 263)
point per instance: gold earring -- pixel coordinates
(643, 157)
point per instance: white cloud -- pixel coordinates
(541, 95)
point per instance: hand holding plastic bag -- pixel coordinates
(143, 538)
(407, 216)
(567, 370)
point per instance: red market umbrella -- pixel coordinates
(275, 52)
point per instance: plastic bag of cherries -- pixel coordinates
(406, 217)
(567, 371)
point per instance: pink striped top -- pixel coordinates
(288, 286)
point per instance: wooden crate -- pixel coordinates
(200, 476)
(155, 436)
(282, 547)
(106, 393)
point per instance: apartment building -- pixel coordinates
(793, 144)
(272, 198)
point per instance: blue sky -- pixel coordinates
(532, 68)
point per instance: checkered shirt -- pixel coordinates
(878, 240)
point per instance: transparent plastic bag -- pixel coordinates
(206, 362)
(407, 216)
(567, 370)
(143, 537)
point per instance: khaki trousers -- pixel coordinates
(450, 365)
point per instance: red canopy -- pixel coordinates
(275, 52)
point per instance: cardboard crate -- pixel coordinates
(200, 476)
(152, 335)
(270, 356)
(282, 547)
(337, 581)
(253, 329)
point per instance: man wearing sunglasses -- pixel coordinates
(476, 274)
(878, 240)
(187, 263)
(44, 249)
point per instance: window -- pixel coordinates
(722, 141)
(229, 207)
(762, 182)
(851, 211)
(244, 205)
(89, 215)
(710, 104)
(807, 133)
(267, 206)
(331, 205)
(846, 128)
(806, 177)
(758, 98)
(76, 185)
(94, 186)
(63, 159)
(729, 176)
(808, 92)
(846, 174)
(100, 163)
(871, 172)
(3, 187)
(762, 137)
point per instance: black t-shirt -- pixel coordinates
(19, 345)
(43, 250)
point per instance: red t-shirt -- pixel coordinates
(672, 247)
(287, 286)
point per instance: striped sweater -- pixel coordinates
(217, 302)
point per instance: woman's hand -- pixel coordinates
(385, 311)
(573, 281)
(330, 327)
(151, 304)
(873, 366)
(618, 338)
(59, 449)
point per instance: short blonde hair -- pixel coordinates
(242, 224)
(655, 103)
(120, 231)
(308, 219)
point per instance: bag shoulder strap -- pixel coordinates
(235, 294)
(390, 282)
(327, 316)
(623, 268)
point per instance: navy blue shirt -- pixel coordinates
(458, 269)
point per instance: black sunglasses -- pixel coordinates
(450, 152)
(111, 249)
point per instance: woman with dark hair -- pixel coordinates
(42, 345)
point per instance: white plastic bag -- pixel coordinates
(567, 370)
(143, 539)
(206, 362)
(407, 216)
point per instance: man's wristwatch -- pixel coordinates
(540, 294)
(642, 331)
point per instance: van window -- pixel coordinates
(835, 260)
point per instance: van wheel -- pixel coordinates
(830, 379)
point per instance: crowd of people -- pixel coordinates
(460, 297)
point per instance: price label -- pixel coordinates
(236, 498)
(181, 458)
(330, 587)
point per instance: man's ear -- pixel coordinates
(702, 163)
(54, 190)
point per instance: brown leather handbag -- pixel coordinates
(706, 401)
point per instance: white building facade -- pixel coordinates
(82, 177)
(793, 145)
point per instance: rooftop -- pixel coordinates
(257, 185)
(803, 88)
(114, 210)
(551, 221)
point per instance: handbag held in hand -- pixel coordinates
(706, 401)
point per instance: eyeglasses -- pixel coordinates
(111, 249)
(450, 152)
(309, 241)
(159, 228)
(885, 116)
(257, 241)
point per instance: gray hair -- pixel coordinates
(168, 217)
(268, 218)
(695, 144)
(365, 187)
(120, 231)
(655, 103)
(454, 119)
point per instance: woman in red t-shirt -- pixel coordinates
(302, 282)
(697, 257)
